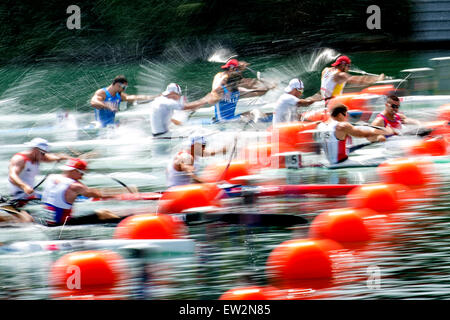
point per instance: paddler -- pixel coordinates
(163, 107)
(335, 134)
(226, 96)
(390, 117)
(106, 101)
(61, 190)
(334, 78)
(24, 167)
(182, 169)
(232, 66)
(285, 109)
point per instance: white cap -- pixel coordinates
(39, 143)
(172, 87)
(294, 84)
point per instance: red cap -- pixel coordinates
(342, 59)
(232, 62)
(75, 163)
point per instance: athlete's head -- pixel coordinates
(120, 83)
(392, 104)
(231, 65)
(343, 63)
(173, 91)
(75, 168)
(295, 87)
(39, 147)
(339, 111)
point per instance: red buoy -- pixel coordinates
(410, 172)
(380, 197)
(179, 198)
(150, 226)
(82, 270)
(297, 262)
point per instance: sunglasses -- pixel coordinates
(80, 171)
(124, 87)
(395, 106)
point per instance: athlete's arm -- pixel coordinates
(15, 168)
(98, 101)
(407, 120)
(50, 157)
(362, 80)
(305, 102)
(244, 92)
(134, 97)
(343, 129)
(78, 188)
(176, 122)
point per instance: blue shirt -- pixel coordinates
(225, 108)
(105, 116)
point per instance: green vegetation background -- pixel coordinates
(117, 29)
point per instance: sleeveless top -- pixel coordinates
(225, 108)
(57, 210)
(175, 177)
(396, 124)
(329, 87)
(105, 116)
(27, 175)
(334, 149)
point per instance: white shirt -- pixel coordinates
(335, 150)
(328, 86)
(285, 109)
(162, 109)
(55, 191)
(27, 175)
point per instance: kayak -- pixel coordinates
(328, 190)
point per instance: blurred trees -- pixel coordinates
(118, 29)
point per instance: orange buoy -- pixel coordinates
(342, 225)
(227, 171)
(383, 90)
(410, 172)
(316, 115)
(179, 198)
(245, 293)
(352, 101)
(444, 112)
(150, 226)
(295, 261)
(379, 197)
(83, 270)
(433, 146)
(286, 133)
(297, 135)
